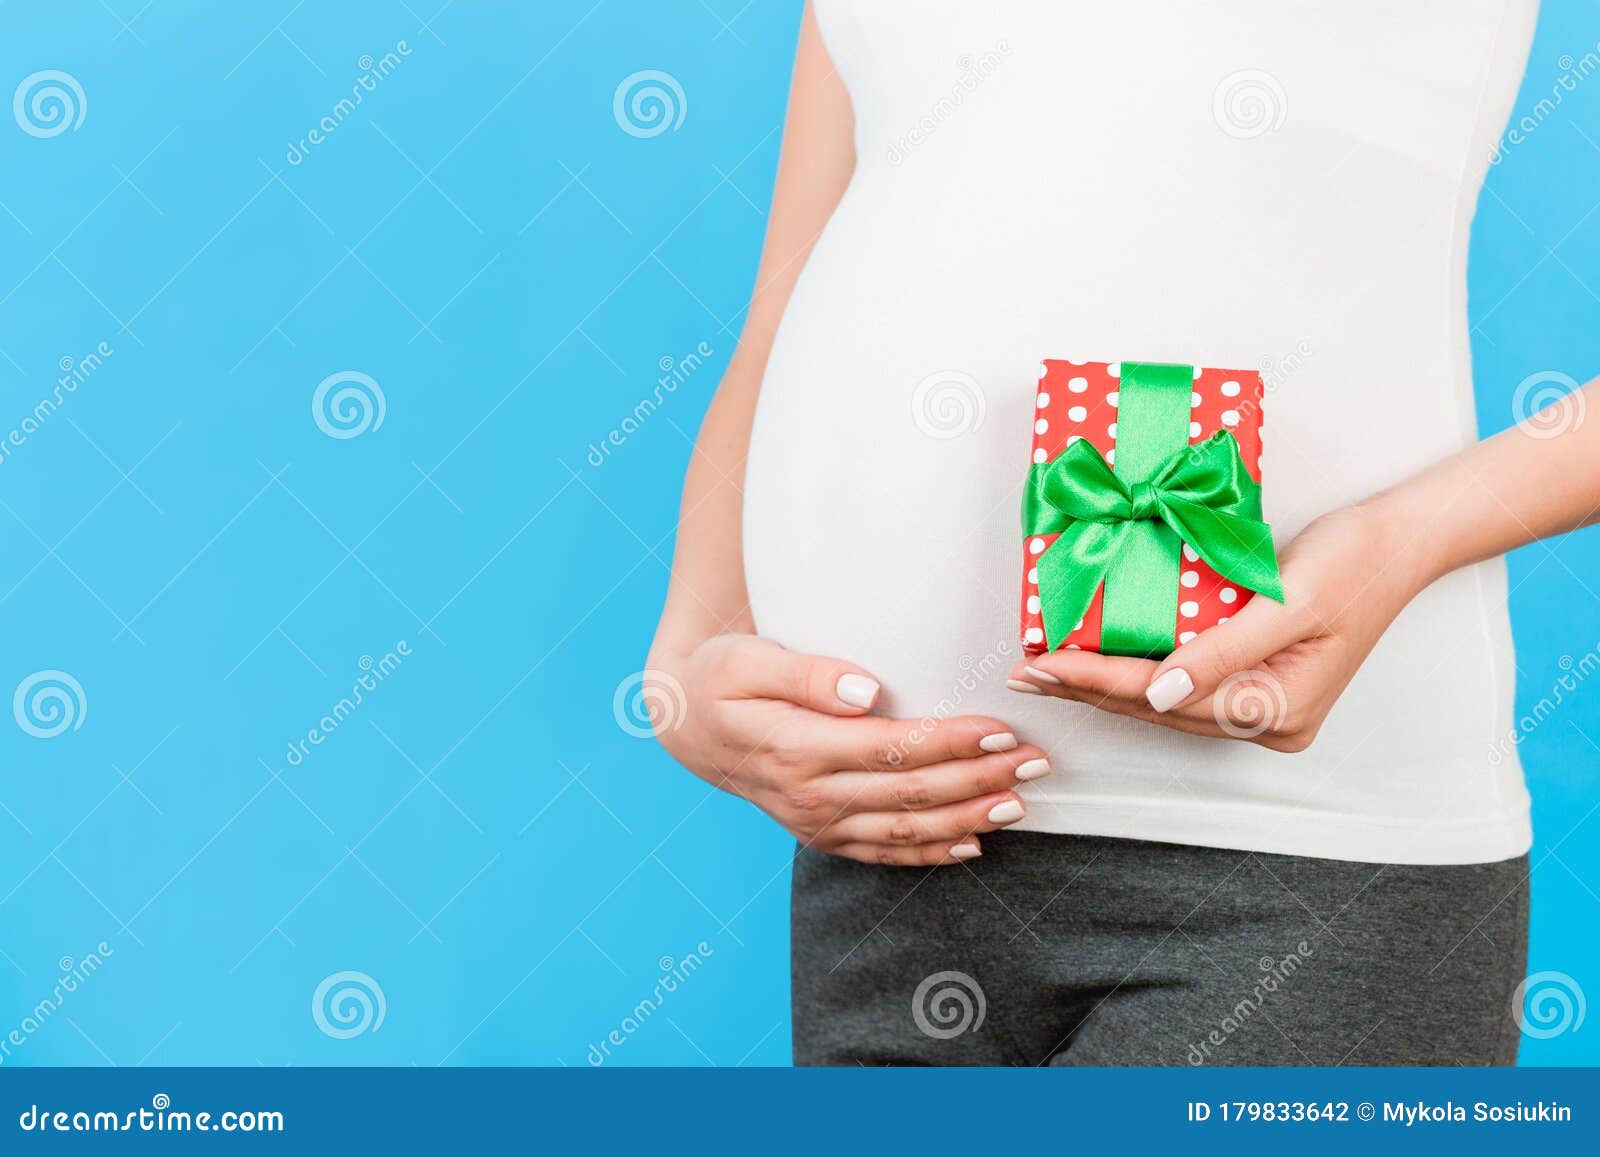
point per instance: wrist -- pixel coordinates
(1406, 539)
(675, 642)
(669, 654)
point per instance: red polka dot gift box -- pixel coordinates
(1142, 510)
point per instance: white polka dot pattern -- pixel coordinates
(1078, 400)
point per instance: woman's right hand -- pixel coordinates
(791, 734)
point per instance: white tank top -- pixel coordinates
(1276, 184)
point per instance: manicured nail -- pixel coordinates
(1170, 690)
(965, 852)
(1042, 676)
(1033, 769)
(857, 690)
(1024, 688)
(1008, 812)
(1000, 741)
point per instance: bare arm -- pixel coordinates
(1539, 478)
(791, 733)
(707, 596)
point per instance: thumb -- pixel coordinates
(1192, 672)
(765, 670)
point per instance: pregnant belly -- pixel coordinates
(881, 517)
(892, 438)
(880, 535)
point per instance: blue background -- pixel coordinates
(482, 238)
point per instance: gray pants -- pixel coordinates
(1078, 950)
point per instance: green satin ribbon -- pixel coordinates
(1126, 528)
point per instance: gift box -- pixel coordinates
(1142, 509)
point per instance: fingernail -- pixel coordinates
(965, 852)
(1025, 688)
(1033, 769)
(1000, 741)
(857, 690)
(1042, 676)
(1170, 690)
(1008, 812)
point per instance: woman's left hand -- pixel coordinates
(1272, 672)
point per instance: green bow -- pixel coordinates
(1128, 535)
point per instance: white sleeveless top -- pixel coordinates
(1276, 184)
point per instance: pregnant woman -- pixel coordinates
(1300, 839)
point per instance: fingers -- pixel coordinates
(900, 744)
(931, 837)
(942, 783)
(1195, 670)
(1181, 684)
(950, 822)
(1110, 683)
(941, 854)
(1086, 675)
(755, 668)
(1251, 683)
(1194, 718)
(761, 669)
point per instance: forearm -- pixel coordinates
(707, 596)
(1532, 481)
